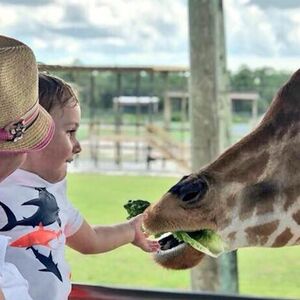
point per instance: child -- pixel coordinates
(40, 220)
(24, 126)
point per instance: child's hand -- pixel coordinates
(140, 238)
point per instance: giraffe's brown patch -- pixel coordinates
(231, 236)
(246, 147)
(291, 156)
(296, 217)
(265, 197)
(222, 218)
(291, 193)
(259, 196)
(231, 201)
(265, 206)
(284, 119)
(283, 238)
(248, 170)
(223, 222)
(259, 234)
(294, 131)
(246, 212)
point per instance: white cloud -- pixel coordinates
(51, 15)
(259, 35)
(9, 17)
(150, 31)
(38, 43)
(248, 30)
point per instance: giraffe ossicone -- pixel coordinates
(249, 196)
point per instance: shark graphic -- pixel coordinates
(40, 236)
(48, 262)
(46, 214)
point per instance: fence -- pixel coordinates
(113, 133)
(115, 136)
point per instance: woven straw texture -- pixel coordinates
(18, 93)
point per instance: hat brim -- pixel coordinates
(36, 137)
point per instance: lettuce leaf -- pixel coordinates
(206, 241)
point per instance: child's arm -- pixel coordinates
(99, 239)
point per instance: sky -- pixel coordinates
(259, 33)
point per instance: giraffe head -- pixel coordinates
(250, 195)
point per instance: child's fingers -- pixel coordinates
(153, 246)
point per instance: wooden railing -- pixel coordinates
(97, 292)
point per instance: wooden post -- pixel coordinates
(209, 111)
(151, 112)
(92, 122)
(118, 121)
(138, 120)
(254, 111)
(167, 103)
(182, 117)
(151, 106)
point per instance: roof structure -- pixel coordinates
(135, 100)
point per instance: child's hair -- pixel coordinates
(54, 91)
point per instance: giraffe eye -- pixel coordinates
(190, 191)
(194, 191)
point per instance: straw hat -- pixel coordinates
(24, 124)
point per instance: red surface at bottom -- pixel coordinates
(98, 292)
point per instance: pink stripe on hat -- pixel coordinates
(4, 135)
(39, 146)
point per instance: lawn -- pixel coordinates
(100, 198)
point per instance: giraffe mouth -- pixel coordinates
(175, 254)
(168, 241)
(206, 241)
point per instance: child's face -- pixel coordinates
(51, 162)
(9, 163)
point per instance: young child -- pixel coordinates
(38, 216)
(24, 126)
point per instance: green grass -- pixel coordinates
(100, 198)
(270, 272)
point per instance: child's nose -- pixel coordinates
(77, 148)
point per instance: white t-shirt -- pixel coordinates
(12, 284)
(38, 217)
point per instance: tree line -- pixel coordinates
(107, 85)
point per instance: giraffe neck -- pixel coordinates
(278, 228)
(262, 188)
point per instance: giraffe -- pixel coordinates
(250, 195)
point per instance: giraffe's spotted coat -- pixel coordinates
(259, 234)
(283, 238)
(296, 217)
